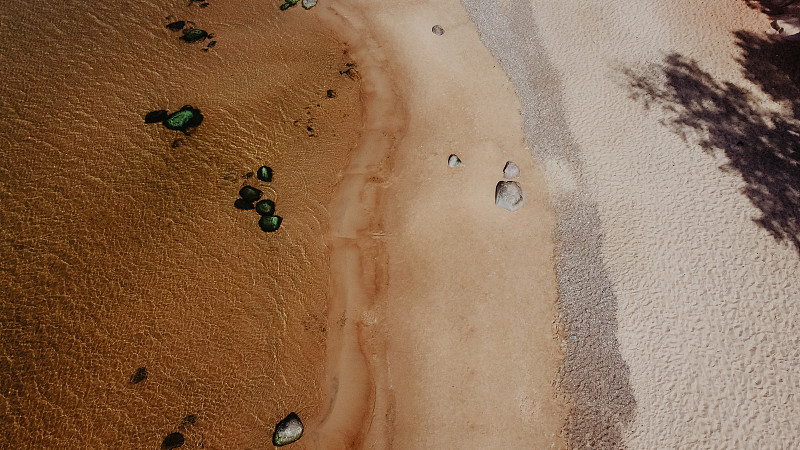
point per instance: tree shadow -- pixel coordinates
(761, 144)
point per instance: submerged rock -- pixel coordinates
(454, 161)
(287, 430)
(510, 170)
(509, 195)
(139, 376)
(177, 25)
(308, 4)
(173, 440)
(289, 4)
(331, 93)
(265, 207)
(156, 116)
(187, 117)
(243, 204)
(437, 30)
(269, 224)
(194, 35)
(264, 173)
(249, 193)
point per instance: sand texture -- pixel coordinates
(676, 159)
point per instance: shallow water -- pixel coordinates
(120, 244)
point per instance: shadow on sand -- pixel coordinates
(762, 145)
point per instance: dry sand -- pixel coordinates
(690, 245)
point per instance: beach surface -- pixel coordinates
(666, 130)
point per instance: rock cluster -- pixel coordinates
(265, 208)
(287, 430)
(307, 4)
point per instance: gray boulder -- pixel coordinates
(287, 430)
(454, 161)
(510, 170)
(508, 195)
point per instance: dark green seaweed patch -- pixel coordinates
(264, 173)
(193, 35)
(270, 223)
(265, 207)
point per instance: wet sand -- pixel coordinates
(452, 298)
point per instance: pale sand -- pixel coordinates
(451, 298)
(703, 300)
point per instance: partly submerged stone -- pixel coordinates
(249, 193)
(331, 93)
(437, 30)
(156, 116)
(264, 173)
(269, 224)
(187, 117)
(509, 195)
(194, 35)
(308, 4)
(173, 440)
(287, 430)
(510, 170)
(177, 25)
(265, 207)
(454, 161)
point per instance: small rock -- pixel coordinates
(177, 25)
(193, 35)
(139, 376)
(249, 193)
(243, 204)
(270, 224)
(509, 195)
(287, 430)
(331, 93)
(265, 207)
(211, 44)
(264, 173)
(437, 30)
(454, 161)
(156, 116)
(289, 4)
(173, 440)
(510, 170)
(189, 420)
(308, 4)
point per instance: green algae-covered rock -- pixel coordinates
(249, 193)
(264, 173)
(308, 4)
(265, 207)
(269, 224)
(287, 430)
(289, 4)
(193, 35)
(187, 117)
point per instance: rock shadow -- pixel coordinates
(761, 144)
